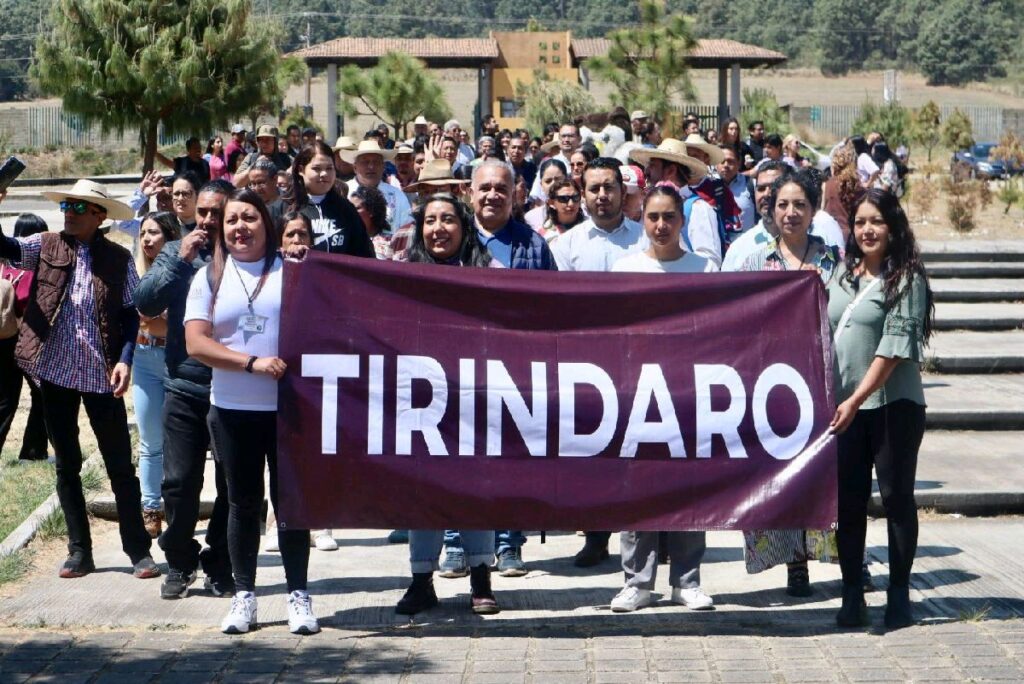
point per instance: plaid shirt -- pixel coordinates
(72, 356)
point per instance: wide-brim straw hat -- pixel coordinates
(713, 151)
(435, 172)
(552, 145)
(370, 146)
(345, 142)
(671, 150)
(89, 191)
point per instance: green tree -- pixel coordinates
(189, 65)
(396, 91)
(646, 65)
(955, 44)
(844, 32)
(925, 127)
(548, 99)
(957, 131)
(759, 104)
(891, 120)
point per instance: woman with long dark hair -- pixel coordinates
(444, 233)
(337, 227)
(564, 210)
(867, 169)
(372, 207)
(730, 135)
(232, 322)
(889, 174)
(881, 309)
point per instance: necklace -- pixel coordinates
(807, 250)
(256, 293)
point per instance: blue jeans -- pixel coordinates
(148, 374)
(503, 539)
(425, 547)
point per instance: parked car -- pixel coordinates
(977, 162)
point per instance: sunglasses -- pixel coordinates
(79, 207)
(565, 199)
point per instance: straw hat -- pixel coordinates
(713, 151)
(97, 194)
(370, 146)
(345, 142)
(551, 145)
(435, 172)
(671, 150)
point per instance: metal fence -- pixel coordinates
(988, 122)
(53, 127)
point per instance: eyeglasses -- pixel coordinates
(565, 199)
(79, 208)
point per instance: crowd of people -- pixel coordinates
(190, 323)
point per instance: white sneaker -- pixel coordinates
(270, 541)
(629, 599)
(242, 615)
(300, 613)
(694, 598)
(323, 540)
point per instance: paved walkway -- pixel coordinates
(968, 591)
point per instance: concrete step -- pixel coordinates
(978, 289)
(975, 402)
(933, 251)
(985, 316)
(103, 506)
(977, 269)
(968, 472)
(966, 351)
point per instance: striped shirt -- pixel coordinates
(72, 356)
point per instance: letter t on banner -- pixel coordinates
(330, 367)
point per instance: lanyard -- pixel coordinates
(256, 293)
(844, 320)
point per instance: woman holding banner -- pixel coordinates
(881, 310)
(792, 203)
(232, 322)
(444, 234)
(663, 223)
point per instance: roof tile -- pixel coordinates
(356, 48)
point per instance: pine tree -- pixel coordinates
(925, 127)
(647, 64)
(958, 42)
(190, 65)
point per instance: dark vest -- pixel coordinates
(54, 273)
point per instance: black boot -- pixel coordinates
(854, 612)
(419, 596)
(482, 601)
(798, 581)
(897, 610)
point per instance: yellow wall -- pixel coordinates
(522, 53)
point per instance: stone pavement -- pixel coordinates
(968, 592)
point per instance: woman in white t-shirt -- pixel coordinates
(663, 222)
(232, 320)
(867, 169)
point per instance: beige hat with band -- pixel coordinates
(671, 150)
(435, 172)
(94, 193)
(713, 151)
(370, 146)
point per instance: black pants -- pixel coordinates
(243, 441)
(186, 440)
(33, 444)
(888, 438)
(109, 422)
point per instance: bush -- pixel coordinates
(1010, 193)
(962, 204)
(759, 104)
(891, 120)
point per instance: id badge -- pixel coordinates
(253, 323)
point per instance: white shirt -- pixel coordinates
(641, 263)
(866, 167)
(399, 209)
(236, 389)
(702, 229)
(466, 154)
(822, 225)
(588, 248)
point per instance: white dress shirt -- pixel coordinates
(588, 248)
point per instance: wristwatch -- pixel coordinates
(249, 363)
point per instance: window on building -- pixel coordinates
(554, 46)
(510, 109)
(556, 59)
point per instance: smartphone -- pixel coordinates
(11, 169)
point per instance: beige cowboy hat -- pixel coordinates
(671, 150)
(366, 147)
(552, 145)
(435, 172)
(94, 193)
(345, 142)
(404, 148)
(713, 151)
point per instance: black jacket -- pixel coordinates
(337, 227)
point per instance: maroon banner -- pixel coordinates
(429, 397)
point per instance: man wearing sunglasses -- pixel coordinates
(78, 337)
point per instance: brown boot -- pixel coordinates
(153, 519)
